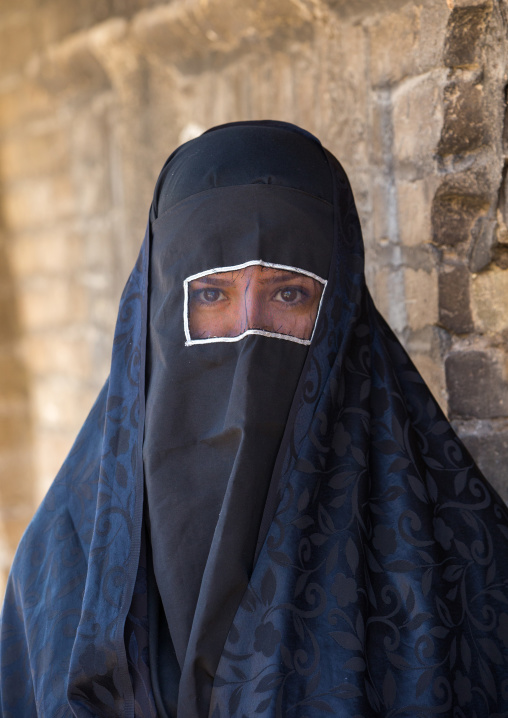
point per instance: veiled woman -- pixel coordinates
(266, 513)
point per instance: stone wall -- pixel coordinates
(93, 97)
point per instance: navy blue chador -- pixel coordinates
(273, 519)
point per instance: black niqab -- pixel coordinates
(216, 413)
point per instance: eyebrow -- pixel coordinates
(285, 277)
(215, 280)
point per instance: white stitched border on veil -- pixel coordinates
(217, 270)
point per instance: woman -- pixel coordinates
(265, 513)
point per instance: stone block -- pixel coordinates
(51, 302)
(11, 531)
(71, 69)
(14, 524)
(417, 123)
(6, 7)
(452, 4)
(16, 468)
(35, 203)
(455, 213)
(380, 128)
(98, 250)
(103, 310)
(18, 39)
(465, 31)
(490, 301)
(502, 209)
(46, 252)
(476, 385)
(193, 35)
(58, 19)
(23, 100)
(381, 224)
(454, 301)
(14, 428)
(91, 170)
(392, 60)
(389, 296)
(30, 154)
(466, 127)
(9, 319)
(421, 298)
(61, 404)
(68, 353)
(14, 380)
(484, 237)
(414, 204)
(490, 451)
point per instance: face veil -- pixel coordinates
(237, 220)
(259, 517)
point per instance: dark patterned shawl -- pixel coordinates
(379, 586)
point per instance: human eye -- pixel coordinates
(291, 295)
(208, 295)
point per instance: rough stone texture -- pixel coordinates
(476, 385)
(94, 94)
(466, 32)
(490, 301)
(454, 304)
(489, 446)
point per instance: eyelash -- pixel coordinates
(196, 295)
(304, 294)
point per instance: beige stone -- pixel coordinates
(414, 211)
(61, 404)
(51, 301)
(417, 122)
(98, 250)
(17, 40)
(31, 154)
(421, 297)
(45, 252)
(13, 378)
(466, 3)
(91, 171)
(17, 473)
(380, 193)
(38, 202)
(103, 310)
(489, 294)
(394, 60)
(388, 291)
(21, 100)
(54, 351)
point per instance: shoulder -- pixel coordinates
(43, 601)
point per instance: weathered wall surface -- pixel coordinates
(93, 97)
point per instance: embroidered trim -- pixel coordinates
(261, 332)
